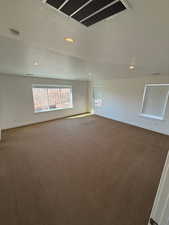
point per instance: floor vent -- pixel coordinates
(89, 12)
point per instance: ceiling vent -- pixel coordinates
(14, 32)
(89, 12)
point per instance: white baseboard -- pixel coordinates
(132, 124)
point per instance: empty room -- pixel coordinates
(84, 112)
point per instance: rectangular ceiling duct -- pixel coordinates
(88, 12)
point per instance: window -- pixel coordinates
(48, 98)
(155, 99)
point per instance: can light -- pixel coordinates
(131, 67)
(68, 39)
(36, 63)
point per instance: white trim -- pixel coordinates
(126, 4)
(105, 7)
(161, 188)
(164, 209)
(164, 106)
(144, 94)
(81, 8)
(51, 110)
(146, 85)
(131, 123)
(151, 116)
(51, 86)
(63, 4)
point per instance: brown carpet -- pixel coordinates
(84, 171)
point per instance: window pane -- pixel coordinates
(52, 98)
(40, 99)
(60, 98)
(47, 98)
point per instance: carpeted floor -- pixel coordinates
(79, 171)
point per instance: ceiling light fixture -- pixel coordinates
(69, 39)
(36, 63)
(131, 67)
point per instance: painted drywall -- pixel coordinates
(122, 99)
(17, 101)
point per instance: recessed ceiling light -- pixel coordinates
(131, 67)
(36, 63)
(69, 39)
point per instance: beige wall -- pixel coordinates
(122, 100)
(16, 101)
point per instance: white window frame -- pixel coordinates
(52, 86)
(164, 106)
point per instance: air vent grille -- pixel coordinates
(88, 12)
(14, 32)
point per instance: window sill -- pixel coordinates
(51, 110)
(151, 116)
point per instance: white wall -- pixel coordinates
(16, 101)
(122, 100)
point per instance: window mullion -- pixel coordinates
(48, 98)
